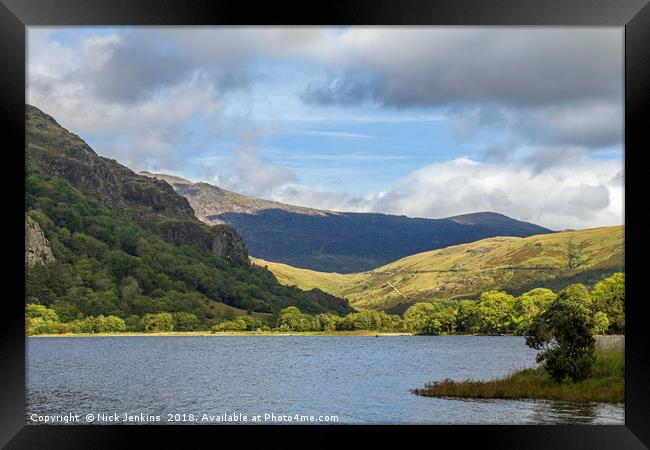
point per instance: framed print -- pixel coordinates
(362, 217)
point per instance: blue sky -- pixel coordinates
(421, 121)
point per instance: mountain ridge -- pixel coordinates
(334, 241)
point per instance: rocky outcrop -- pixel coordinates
(57, 152)
(151, 202)
(37, 247)
(227, 244)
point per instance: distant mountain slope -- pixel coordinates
(509, 263)
(128, 244)
(208, 200)
(337, 241)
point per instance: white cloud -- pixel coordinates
(581, 194)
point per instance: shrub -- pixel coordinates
(564, 335)
(158, 322)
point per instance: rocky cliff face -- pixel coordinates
(37, 247)
(152, 203)
(227, 243)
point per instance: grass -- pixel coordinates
(509, 263)
(606, 384)
(306, 279)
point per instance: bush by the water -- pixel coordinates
(606, 383)
(564, 334)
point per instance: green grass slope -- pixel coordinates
(508, 263)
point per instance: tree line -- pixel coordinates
(492, 313)
(42, 320)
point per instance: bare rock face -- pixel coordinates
(37, 247)
(227, 244)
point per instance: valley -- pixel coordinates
(503, 263)
(334, 241)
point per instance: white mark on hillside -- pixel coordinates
(396, 290)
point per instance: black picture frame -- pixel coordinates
(634, 15)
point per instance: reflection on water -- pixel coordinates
(576, 413)
(359, 379)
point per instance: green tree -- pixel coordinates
(563, 334)
(431, 318)
(362, 320)
(241, 323)
(601, 323)
(417, 316)
(33, 311)
(530, 304)
(184, 321)
(230, 325)
(67, 312)
(608, 296)
(114, 324)
(291, 319)
(468, 320)
(84, 324)
(133, 323)
(327, 321)
(574, 255)
(251, 323)
(39, 320)
(392, 322)
(158, 322)
(495, 313)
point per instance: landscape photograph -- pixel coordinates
(324, 225)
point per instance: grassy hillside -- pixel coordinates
(326, 281)
(509, 263)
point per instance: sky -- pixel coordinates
(417, 121)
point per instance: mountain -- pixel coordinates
(506, 263)
(101, 239)
(332, 241)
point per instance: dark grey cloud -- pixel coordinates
(132, 72)
(543, 158)
(591, 124)
(513, 66)
(138, 65)
(549, 86)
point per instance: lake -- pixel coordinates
(358, 379)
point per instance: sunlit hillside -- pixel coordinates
(509, 263)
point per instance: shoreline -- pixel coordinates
(224, 333)
(614, 338)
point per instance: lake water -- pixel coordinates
(364, 380)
